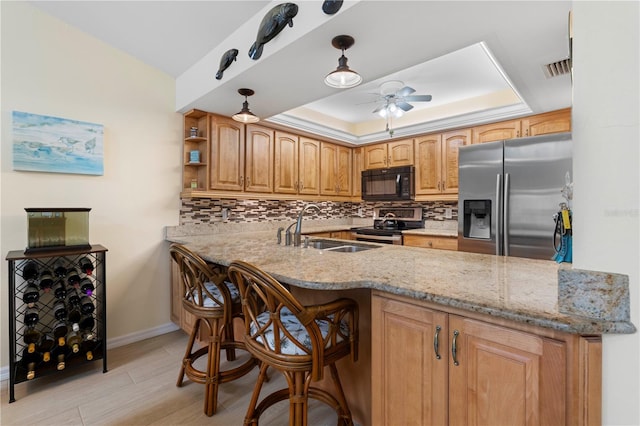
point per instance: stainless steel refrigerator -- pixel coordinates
(509, 192)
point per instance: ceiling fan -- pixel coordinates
(395, 97)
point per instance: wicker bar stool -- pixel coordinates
(297, 340)
(214, 303)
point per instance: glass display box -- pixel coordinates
(57, 229)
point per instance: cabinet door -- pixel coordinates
(428, 154)
(286, 163)
(496, 131)
(400, 153)
(409, 380)
(259, 160)
(428, 241)
(375, 156)
(550, 122)
(343, 177)
(309, 167)
(328, 168)
(504, 376)
(451, 142)
(227, 154)
(358, 166)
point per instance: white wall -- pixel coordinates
(50, 68)
(606, 138)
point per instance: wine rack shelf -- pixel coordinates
(42, 276)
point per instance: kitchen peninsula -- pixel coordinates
(464, 315)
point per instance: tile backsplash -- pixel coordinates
(206, 210)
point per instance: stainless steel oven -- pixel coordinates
(388, 224)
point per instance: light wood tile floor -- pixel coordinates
(140, 389)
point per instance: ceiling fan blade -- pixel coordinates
(404, 106)
(381, 107)
(418, 98)
(406, 90)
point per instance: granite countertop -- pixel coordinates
(522, 290)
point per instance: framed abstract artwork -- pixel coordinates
(58, 145)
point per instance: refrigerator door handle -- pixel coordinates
(505, 216)
(497, 214)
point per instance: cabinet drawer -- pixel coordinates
(442, 243)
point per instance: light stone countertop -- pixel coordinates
(522, 290)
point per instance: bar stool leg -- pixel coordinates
(187, 354)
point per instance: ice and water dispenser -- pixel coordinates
(477, 219)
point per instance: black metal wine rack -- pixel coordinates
(46, 260)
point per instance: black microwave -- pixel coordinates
(392, 184)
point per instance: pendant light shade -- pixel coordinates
(245, 116)
(342, 77)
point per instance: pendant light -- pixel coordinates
(342, 77)
(245, 116)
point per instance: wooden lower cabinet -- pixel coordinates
(431, 367)
(429, 241)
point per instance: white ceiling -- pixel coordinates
(467, 55)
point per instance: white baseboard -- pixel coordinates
(117, 342)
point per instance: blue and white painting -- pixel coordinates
(51, 144)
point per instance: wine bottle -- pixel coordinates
(30, 271)
(60, 268)
(31, 338)
(86, 286)
(74, 339)
(86, 266)
(31, 316)
(31, 294)
(60, 332)
(60, 310)
(86, 323)
(88, 345)
(46, 345)
(30, 360)
(59, 353)
(46, 280)
(73, 298)
(72, 277)
(86, 305)
(60, 290)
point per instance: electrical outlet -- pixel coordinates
(225, 214)
(448, 214)
(360, 211)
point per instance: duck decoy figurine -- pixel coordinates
(273, 22)
(225, 61)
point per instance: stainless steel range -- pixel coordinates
(388, 224)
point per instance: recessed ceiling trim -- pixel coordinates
(463, 120)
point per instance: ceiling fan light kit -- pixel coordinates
(245, 116)
(342, 77)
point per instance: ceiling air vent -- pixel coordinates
(558, 68)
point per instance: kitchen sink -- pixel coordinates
(340, 246)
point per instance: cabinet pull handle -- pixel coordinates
(301, 185)
(241, 180)
(436, 342)
(518, 133)
(454, 347)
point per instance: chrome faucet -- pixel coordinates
(298, 231)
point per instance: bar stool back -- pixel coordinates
(214, 302)
(297, 340)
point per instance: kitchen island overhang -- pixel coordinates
(515, 289)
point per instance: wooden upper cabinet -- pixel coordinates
(227, 154)
(335, 169)
(391, 154)
(259, 159)
(496, 131)
(437, 162)
(428, 152)
(550, 122)
(535, 125)
(451, 142)
(309, 166)
(286, 163)
(358, 166)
